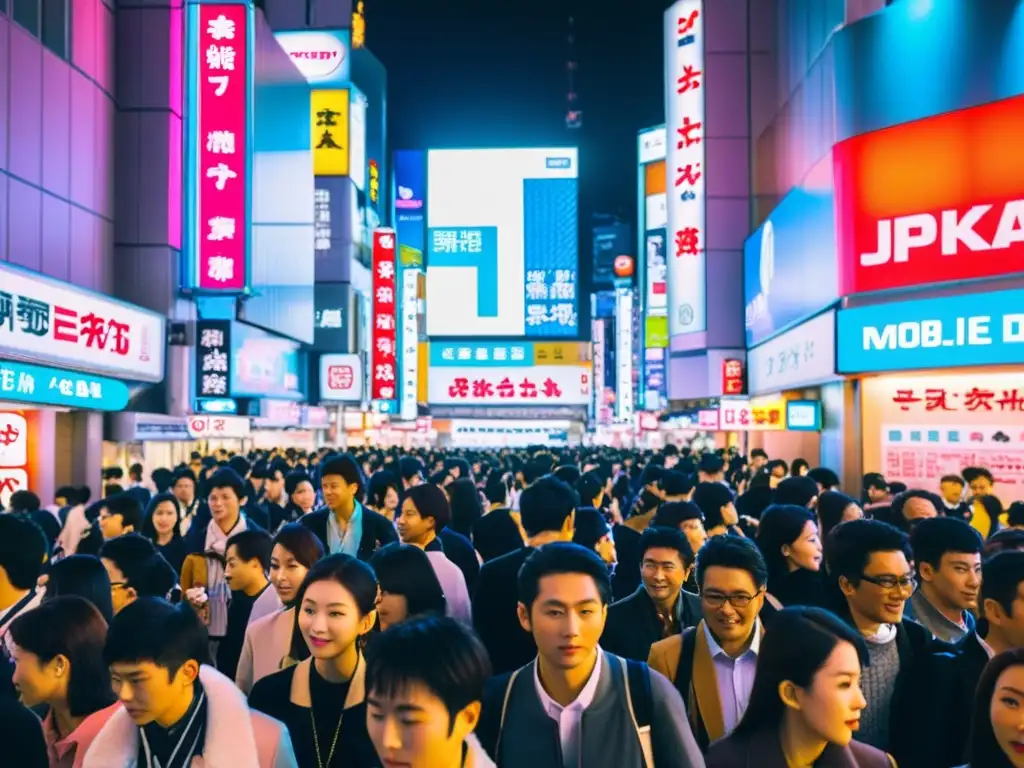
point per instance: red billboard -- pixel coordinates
(932, 201)
(384, 337)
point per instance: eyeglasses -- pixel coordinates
(891, 582)
(736, 600)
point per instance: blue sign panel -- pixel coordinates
(263, 365)
(51, 386)
(475, 247)
(955, 331)
(803, 415)
(790, 264)
(481, 354)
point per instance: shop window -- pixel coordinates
(26, 13)
(55, 26)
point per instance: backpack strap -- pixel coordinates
(492, 718)
(504, 710)
(640, 701)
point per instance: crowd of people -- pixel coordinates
(578, 608)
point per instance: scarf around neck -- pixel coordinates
(217, 590)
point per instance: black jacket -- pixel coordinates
(496, 616)
(633, 625)
(377, 530)
(958, 699)
(627, 572)
(496, 534)
(459, 550)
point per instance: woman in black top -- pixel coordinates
(788, 538)
(162, 526)
(322, 699)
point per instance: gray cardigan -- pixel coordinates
(608, 738)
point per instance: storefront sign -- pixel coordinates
(538, 385)
(218, 427)
(322, 232)
(16, 446)
(330, 316)
(384, 336)
(217, 209)
(744, 416)
(803, 416)
(264, 365)
(213, 359)
(46, 321)
(684, 107)
(321, 56)
(732, 377)
(932, 201)
(598, 350)
(329, 137)
(651, 145)
(624, 404)
(708, 419)
(341, 378)
(657, 301)
(410, 343)
(801, 357)
(49, 386)
(949, 332)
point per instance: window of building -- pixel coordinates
(26, 13)
(3, 6)
(55, 26)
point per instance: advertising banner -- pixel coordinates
(329, 137)
(332, 303)
(408, 409)
(651, 145)
(949, 332)
(597, 336)
(732, 377)
(790, 266)
(321, 55)
(383, 333)
(341, 378)
(684, 108)
(47, 321)
(537, 385)
(217, 196)
(745, 416)
(213, 359)
(18, 433)
(263, 365)
(609, 242)
(50, 386)
(802, 357)
(932, 201)
(624, 404)
(655, 386)
(656, 275)
(500, 217)
(219, 427)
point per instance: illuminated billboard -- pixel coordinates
(501, 242)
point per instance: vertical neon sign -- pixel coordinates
(384, 335)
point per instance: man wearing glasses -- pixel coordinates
(713, 664)
(870, 561)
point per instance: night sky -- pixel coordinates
(491, 73)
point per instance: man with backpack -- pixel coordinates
(575, 704)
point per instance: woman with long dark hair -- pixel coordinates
(162, 525)
(466, 505)
(408, 585)
(82, 575)
(806, 703)
(788, 539)
(835, 508)
(322, 699)
(997, 727)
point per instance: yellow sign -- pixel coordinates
(560, 353)
(329, 132)
(358, 27)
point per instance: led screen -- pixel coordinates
(502, 252)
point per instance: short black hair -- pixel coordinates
(589, 527)
(557, 558)
(410, 467)
(545, 505)
(875, 480)
(900, 500)
(24, 501)
(304, 545)
(676, 483)
(83, 576)
(151, 629)
(405, 569)
(541, 464)
(1015, 513)
(145, 569)
(732, 552)
(567, 473)
(589, 487)
(825, 477)
(378, 486)
(935, 536)
(347, 468)
(952, 479)
(496, 487)
(667, 538)
(294, 478)
(711, 497)
(973, 473)
(430, 501)
(798, 491)
(673, 514)
(183, 473)
(241, 465)
(758, 453)
(1001, 576)
(252, 545)
(23, 550)
(226, 477)
(128, 507)
(455, 669)
(851, 544)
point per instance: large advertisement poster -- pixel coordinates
(508, 218)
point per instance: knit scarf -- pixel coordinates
(217, 590)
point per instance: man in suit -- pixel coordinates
(547, 509)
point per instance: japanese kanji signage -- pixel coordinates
(409, 364)
(374, 190)
(329, 120)
(624, 400)
(341, 378)
(213, 359)
(732, 377)
(538, 385)
(24, 383)
(44, 320)
(16, 449)
(217, 194)
(684, 107)
(383, 334)
(804, 356)
(934, 200)
(745, 416)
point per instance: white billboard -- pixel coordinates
(513, 385)
(341, 378)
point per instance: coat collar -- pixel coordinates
(301, 697)
(764, 750)
(230, 740)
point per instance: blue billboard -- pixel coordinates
(949, 332)
(410, 188)
(790, 264)
(263, 365)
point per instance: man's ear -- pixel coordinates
(524, 617)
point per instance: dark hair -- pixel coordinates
(68, 492)
(796, 490)
(252, 545)
(935, 536)
(23, 549)
(465, 505)
(797, 465)
(145, 569)
(294, 479)
(1006, 540)
(410, 467)
(240, 465)
(732, 552)
(151, 629)
(983, 748)
(127, 506)
(900, 500)
(673, 514)
(226, 477)
(711, 497)
(589, 527)
(301, 542)
(455, 669)
(952, 479)
(355, 576)
(148, 529)
(347, 468)
(831, 506)
(24, 501)
(496, 487)
(546, 504)
(875, 480)
(781, 525)
(758, 453)
(557, 558)
(567, 473)
(1015, 513)
(824, 477)
(403, 569)
(800, 642)
(70, 626)
(589, 487)
(541, 464)
(84, 576)
(378, 486)
(667, 538)
(851, 544)
(970, 474)
(1001, 576)
(430, 501)
(183, 473)
(675, 483)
